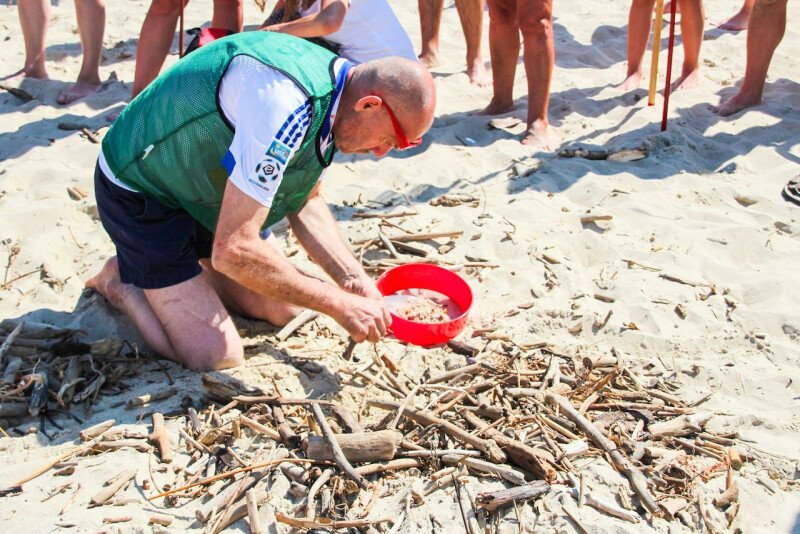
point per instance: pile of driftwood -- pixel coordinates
(45, 371)
(522, 413)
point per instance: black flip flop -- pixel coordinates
(792, 191)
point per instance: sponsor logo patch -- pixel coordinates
(279, 151)
(267, 170)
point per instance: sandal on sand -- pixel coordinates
(792, 191)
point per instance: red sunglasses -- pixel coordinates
(403, 141)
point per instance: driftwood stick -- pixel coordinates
(328, 524)
(388, 245)
(314, 489)
(163, 520)
(272, 399)
(12, 370)
(291, 327)
(465, 505)
(466, 370)
(497, 500)
(232, 493)
(9, 340)
(607, 507)
(119, 481)
(538, 462)
(252, 511)
(400, 463)
(729, 496)
(348, 419)
(288, 437)
(338, 455)
(160, 437)
(503, 471)
(416, 237)
(357, 448)
(488, 447)
(680, 426)
(13, 409)
(409, 249)
(227, 474)
(370, 215)
(193, 442)
(46, 467)
(258, 427)
(236, 512)
(141, 400)
(437, 453)
(115, 445)
(637, 480)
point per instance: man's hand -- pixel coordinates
(364, 286)
(363, 318)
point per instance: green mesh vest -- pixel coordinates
(169, 142)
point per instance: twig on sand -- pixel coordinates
(338, 455)
(328, 524)
(228, 474)
(634, 476)
(302, 318)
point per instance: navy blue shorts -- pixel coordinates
(157, 246)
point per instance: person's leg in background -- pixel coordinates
(535, 19)
(504, 41)
(639, 18)
(91, 15)
(767, 26)
(470, 13)
(692, 18)
(34, 15)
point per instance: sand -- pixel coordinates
(703, 207)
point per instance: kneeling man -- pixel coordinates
(230, 140)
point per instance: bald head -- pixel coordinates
(405, 86)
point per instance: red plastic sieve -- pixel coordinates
(434, 278)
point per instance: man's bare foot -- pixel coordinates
(737, 103)
(77, 91)
(537, 137)
(496, 107)
(736, 23)
(108, 283)
(429, 59)
(630, 83)
(477, 73)
(687, 81)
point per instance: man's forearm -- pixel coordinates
(317, 231)
(251, 264)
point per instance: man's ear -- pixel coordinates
(367, 102)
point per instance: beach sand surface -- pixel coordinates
(699, 222)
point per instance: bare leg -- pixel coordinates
(471, 14)
(131, 301)
(34, 15)
(91, 16)
(227, 14)
(185, 322)
(536, 23)
(767, 26)
(504, 43)
(155, 40)
(430, 16)
(692, 34)
(740, 20)
(241, 300)
(638, 33)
